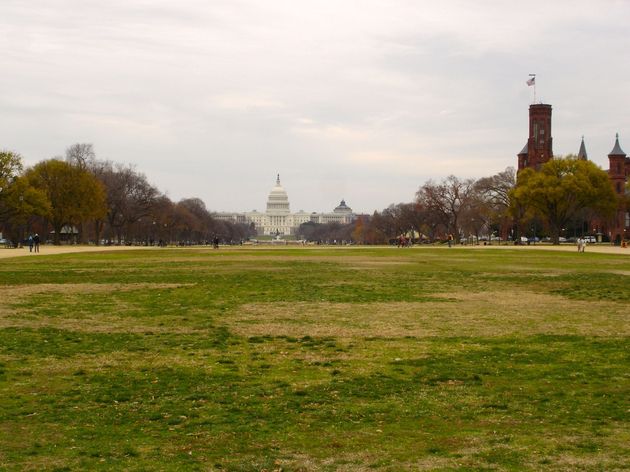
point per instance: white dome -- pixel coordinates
(278, 201)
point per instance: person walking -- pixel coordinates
(30, 243)
(450, 240)
(36, 242)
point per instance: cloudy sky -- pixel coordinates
(357, 99)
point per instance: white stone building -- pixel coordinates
(278, 219)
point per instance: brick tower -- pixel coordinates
(617, 172)
(538, 149)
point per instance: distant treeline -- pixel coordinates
(79, 198)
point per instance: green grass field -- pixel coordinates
(315, 359)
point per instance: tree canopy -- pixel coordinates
(75, 195)
(561, 189)
(10, 167)
(448, 201)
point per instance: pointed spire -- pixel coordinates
(582, 152)
(278, 180)
(617, 151)
(524, 150)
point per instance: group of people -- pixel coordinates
(403, 241)
(33, 242)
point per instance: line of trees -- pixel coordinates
(566, 195)
(451, 206)
(83, 199)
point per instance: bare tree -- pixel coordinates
(81, 155)
(414, 217)
(494, 191)
(496, 188)
(202, 224)
(129, 197)
(447, 201)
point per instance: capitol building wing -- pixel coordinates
(278, 219)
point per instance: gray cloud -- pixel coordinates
(363, 100)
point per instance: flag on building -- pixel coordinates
(531, 81)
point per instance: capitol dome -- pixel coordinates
(278, 220)
(278, 201)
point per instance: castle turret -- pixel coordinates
(538, 149)
(616, 168)
(617, 175)
(582, 152)
(522, 158)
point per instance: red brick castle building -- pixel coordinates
(539, 150)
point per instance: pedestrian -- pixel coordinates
(450, 240)
(30, 243)
(36, 242)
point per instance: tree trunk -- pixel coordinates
(57, 237)
(82, 235)
(98, 227)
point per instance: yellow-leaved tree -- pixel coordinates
(561, 189)
(75, 195)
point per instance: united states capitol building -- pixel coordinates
(278, 220)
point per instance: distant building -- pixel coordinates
(618, 172)
(539, 150)
(278, 219)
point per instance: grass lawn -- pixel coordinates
(315, 359)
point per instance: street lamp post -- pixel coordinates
(21, 230)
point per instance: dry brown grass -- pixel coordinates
(235, 257)
(12, 293)
(96, 323)
(125, 361)
(81, 321)
(610, 457)
(361, 461)
(483, 314)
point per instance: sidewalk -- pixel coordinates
(47, 250)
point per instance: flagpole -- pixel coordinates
(534, 79)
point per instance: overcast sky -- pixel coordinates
(363, 100)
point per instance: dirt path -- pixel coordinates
(46, 250)
(50, 250)
(603, 249)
